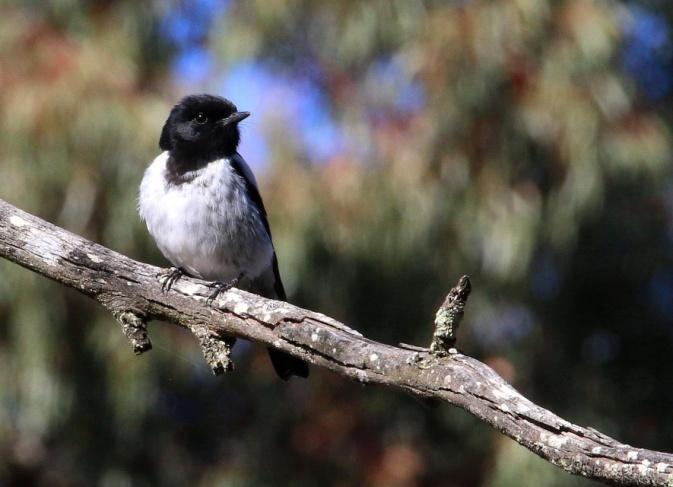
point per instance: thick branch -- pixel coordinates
(132, 292)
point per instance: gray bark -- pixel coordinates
(132, 292)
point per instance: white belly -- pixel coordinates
(205, 226)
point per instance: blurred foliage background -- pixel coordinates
(399, 144)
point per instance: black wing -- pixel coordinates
(237, 164)
(285, 365)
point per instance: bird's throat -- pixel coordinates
(182, 168)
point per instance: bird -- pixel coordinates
(200, 202)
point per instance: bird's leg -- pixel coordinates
(221, 287)
(170, 277)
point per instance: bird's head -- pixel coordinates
(202, 127)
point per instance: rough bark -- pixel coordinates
(132, 292)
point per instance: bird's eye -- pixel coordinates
(200, 118)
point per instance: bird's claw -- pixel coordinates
(221, 287)
(170, 277)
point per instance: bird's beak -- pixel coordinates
(234, 118)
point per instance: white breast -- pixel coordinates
(207, 225)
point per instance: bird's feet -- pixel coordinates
(170, 277)
(221, 287)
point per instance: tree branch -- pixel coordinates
(132, 292)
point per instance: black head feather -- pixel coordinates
(200, 129)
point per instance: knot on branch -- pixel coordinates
(216, 350)
(134, 327)
(449, 316)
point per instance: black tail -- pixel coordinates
(286, 365)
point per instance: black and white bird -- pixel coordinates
(201, 204)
